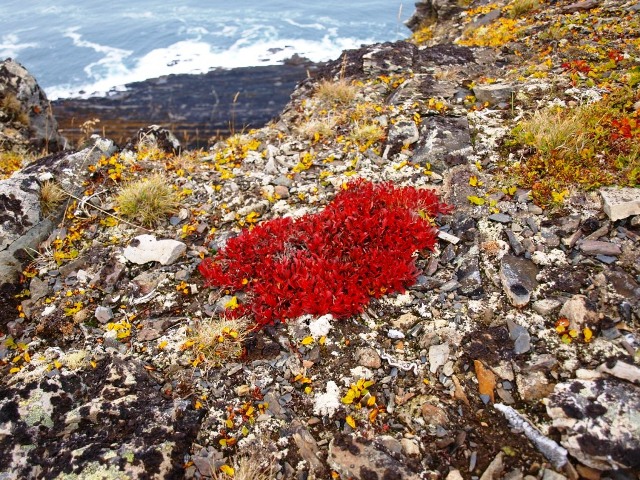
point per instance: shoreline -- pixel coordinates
(195, 107)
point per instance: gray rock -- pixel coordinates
(390, 444)
(438, 356)
(307, 447)
(146, 248)
(368, 357)
(516, 246)
(22, 226)
(403, 134)
(22, 223)
(606, 259)
(103, 314)
(596, 247)
(494, 93)
(582, 6)
(580, 312)
(546, 306)
(31, 114)
(518, 278)
(445, 143)
(520, 337)
(598, 421)
(72, 412)
(500, 218)
(469, 279)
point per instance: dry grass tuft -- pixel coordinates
(148, 200)
(339, 92)
(584, 147)
(319, 129)
(367, 133)
(51, 196)
(520, 8)
(218, 340)
(13, 108)
(548, 130)
(253, 466)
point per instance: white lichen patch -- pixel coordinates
(75, 360)
(327, 403)
(554, 257)
(321, 326)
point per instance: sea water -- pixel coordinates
(82, 48)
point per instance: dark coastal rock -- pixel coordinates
(194, 107)
(26, 120)
(108, 421)
(598, 422)
(430, 12)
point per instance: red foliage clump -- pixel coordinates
(360, 246)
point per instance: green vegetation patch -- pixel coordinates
(588, 147)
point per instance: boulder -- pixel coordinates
(23, 225)
(105, 422)
(24, 109)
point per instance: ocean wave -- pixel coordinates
(194, 56)
(11, 46)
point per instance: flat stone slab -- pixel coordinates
(597, 247)
(518, 277)
(619, 203)
(494, 93)
(145, 248)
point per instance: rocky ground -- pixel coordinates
(513, 355)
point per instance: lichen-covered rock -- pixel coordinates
(105, 421)
(362, 459)
(23, 225)
(155, 136)
(599, 421)
(26, 119)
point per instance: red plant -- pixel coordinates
(577, 66)
(360, 246)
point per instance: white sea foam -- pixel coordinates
(138, 15)
(316, 26)
(195, 56)
(11, 46)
